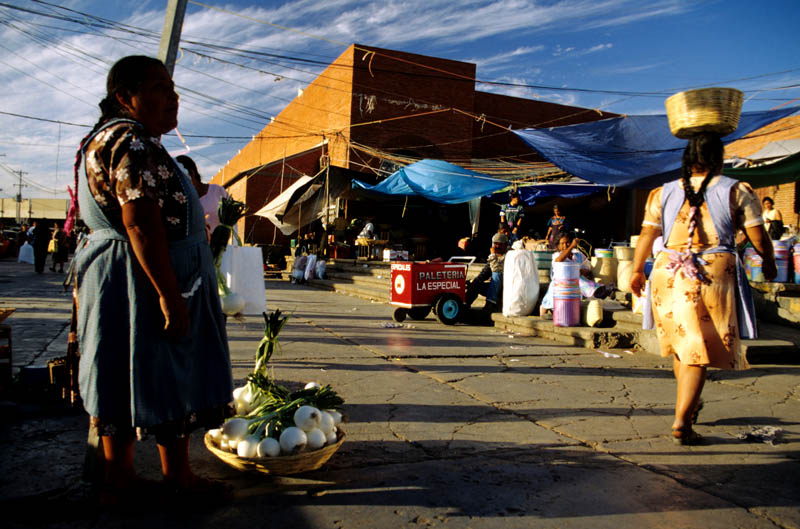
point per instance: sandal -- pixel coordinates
(686, 436)
(696, 411)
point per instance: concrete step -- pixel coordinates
(592, 337)
(351, 288)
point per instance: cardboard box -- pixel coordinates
(395, 255)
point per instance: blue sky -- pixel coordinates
(625, 56)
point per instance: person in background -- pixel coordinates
(700, 298)
(41, 240)
(368, 231)
(773, 220)
(154, 351)
(22, 237)
(210, 194)
(489, 281)
(340, 228)
(567, 252)
(512, 214)
(556, 227)
(61, 253)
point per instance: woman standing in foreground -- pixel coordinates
(154, 353)
(697, 283)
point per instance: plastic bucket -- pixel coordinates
(566, 295)
(604, 269)
(756, 272)
(624, 272)
(624, 253)
(634, 240)
(648, 266)
(797, 263)
(603, 252)
(781, 261)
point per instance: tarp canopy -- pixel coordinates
(780, 172)
(276, 208)
(304, 201)
(438, 181)
(776, 149)
(629, 151)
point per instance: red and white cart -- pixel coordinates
(419, 287)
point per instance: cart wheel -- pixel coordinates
(448, 309)
(399, 315)
(419, 313)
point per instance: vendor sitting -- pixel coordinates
(567, 252)
(493, 271)
(368, 231)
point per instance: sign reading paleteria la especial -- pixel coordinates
(415, 284)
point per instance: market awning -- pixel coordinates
(629, 151)
(438, 181)
(276, 208)
(781, 172)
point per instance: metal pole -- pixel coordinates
(171, 34)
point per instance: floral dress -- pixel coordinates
(131, 375)
(696, 317)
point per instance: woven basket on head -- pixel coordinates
(278, 465)
(705, 110)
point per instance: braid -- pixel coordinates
(124, 77)
(704, 150)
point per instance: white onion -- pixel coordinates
(247, 446)
(215, 435)
(268, 447)
(331, 438)
(223, 445)
(316, 439)
(326, 422)
(232, 444)
(241, 408)
(232, 303)
(293, 440)
(235, 428)
(237, 393)
(337, 417)
(312, 385)
(307, 418)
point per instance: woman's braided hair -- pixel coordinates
(127, 76)
(704, 151)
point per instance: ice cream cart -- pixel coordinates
(419, 287)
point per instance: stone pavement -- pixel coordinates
(447, 427)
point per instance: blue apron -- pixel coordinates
(130, 371)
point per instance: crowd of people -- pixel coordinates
(35, 242)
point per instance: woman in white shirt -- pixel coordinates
(210, 194)
(773, 220)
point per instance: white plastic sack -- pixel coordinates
(310, 266)
(322, 267)
(25, 253)
(242, 268)
(520, 283)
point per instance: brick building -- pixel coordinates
(371, 101)
(786, 196)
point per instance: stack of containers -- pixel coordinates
(624, 257)
(752, 265)
(566, 295)
(797, 263)
(781, 260)
(604, 266)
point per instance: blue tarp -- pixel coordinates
(629, 151)
(438, 181)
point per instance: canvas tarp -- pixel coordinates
(438, 181)
(780, 172)
(629, 151)
(276, 208)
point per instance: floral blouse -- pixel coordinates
(124, 163)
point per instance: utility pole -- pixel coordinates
(171, 34)
(19, 195)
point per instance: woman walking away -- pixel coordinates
(697, 285)
(61, 249)
(154, 354)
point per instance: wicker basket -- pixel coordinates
(279, 465)
(704, 110)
